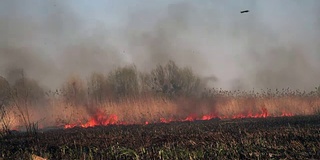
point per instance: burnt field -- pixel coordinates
(296, 137)
(165, 114)
(159, 80)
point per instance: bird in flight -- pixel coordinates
(244, 11)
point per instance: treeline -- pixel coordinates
(168, 81)
(21, 94)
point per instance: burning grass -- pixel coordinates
(165, 114)
(125, 96)
(146, 111)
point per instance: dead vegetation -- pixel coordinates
(167, 92)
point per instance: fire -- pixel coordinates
(102, 119)
(99, 119)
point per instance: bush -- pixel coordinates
(25, 93)
(74, 91)
(4, 101)
(98, 88)
(4, 92)
(124, 81)
(172, 81)
(318, 90)
(27, 90)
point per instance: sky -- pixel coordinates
(275, 45)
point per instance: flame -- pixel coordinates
(102, 119)
(98, 119)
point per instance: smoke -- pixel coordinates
(49, 42)
(275, 45)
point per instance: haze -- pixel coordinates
(275, 45)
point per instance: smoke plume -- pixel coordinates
(274, 45)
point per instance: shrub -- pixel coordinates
(25, 93)
(4, 101)
(318, 90)
(27, 90)
(172, 81)
(4, 91)
(124, 81)
(98, 88)
(74, 91)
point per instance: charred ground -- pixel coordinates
(286, 137)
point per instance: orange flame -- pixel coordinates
(102, 119)
(99, 119)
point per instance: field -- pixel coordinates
(296, 137)
(159, 80)
(168, 113)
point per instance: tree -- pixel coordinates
(4, 92)
(124, 81)
(99, 89)
(25, 93)
(4, 101)
(172, 81)
(74, 91)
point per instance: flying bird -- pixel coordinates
(244, 11)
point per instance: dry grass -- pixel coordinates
(130, 111)
(152, 109)
(168, 92)
(275, 106)
(141, 110)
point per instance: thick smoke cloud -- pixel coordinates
(282, 54)
(51, 40)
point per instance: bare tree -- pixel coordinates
(74, 91)
(98, 88)
(4, 101)
(24, 94)
(172, 81)
(124, 81)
